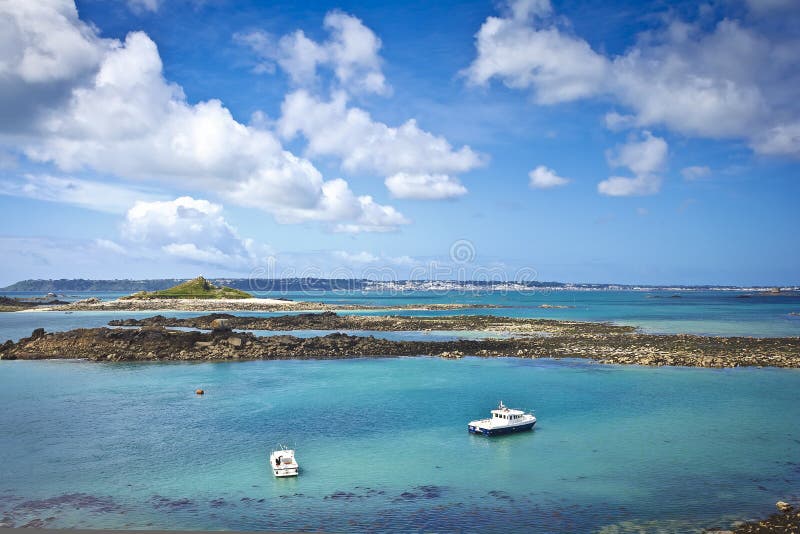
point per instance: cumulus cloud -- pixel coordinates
(645, 158)
(45, 51)
(98, 196)
(545, 178)
(123, 118)
(424, 186)
(421, 158)
(526, 49)
(189, 229)
(351, 52)
(732, 80)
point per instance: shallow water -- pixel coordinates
(382, 445)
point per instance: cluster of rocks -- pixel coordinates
(332, 321)
(785, 520)
(597, 341)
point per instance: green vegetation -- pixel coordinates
(199, 288)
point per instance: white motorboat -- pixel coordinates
(283, 463)
(504, 420)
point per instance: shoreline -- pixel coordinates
(150, 340)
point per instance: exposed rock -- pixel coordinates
(783, 506)
(597, 341)
(220, 325)
(785, 520)
(332, 321)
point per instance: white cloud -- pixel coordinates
(351, 52)
(363, 144)
(695, 172)
(424, 186)
(645, 159)
(189, 229)
(734, 80)
(123, 118)
(99, 196)
(780, 139)
(616, 121)
(545, 178)
(44, 41)
(525, 51)
(45, 51)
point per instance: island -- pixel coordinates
(197, 288)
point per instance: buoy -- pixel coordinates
(200, 392)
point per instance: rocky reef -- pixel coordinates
(388, 323)
(564, 339)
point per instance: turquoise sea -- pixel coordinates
(383, 445)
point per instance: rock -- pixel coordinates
(36, 334)
(235, 342)
(221, 325)
(783, 506)
(200, 392)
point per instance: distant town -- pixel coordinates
(334, 284)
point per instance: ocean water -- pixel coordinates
(725, 313)
(383, 445)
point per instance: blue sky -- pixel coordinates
(630, 142)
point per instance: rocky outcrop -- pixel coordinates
(333, 321)
(786, 520)
(607, 344)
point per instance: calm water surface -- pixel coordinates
(383, 445)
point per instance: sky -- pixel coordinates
(610, 142)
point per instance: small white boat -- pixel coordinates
(504, 420)
(283, 463)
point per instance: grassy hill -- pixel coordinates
(198, 288)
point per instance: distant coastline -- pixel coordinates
(360, 284)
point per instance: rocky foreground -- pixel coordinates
(563, 339)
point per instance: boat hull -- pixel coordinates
(475, 429)
(285, 472)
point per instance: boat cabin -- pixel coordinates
(506, 414)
